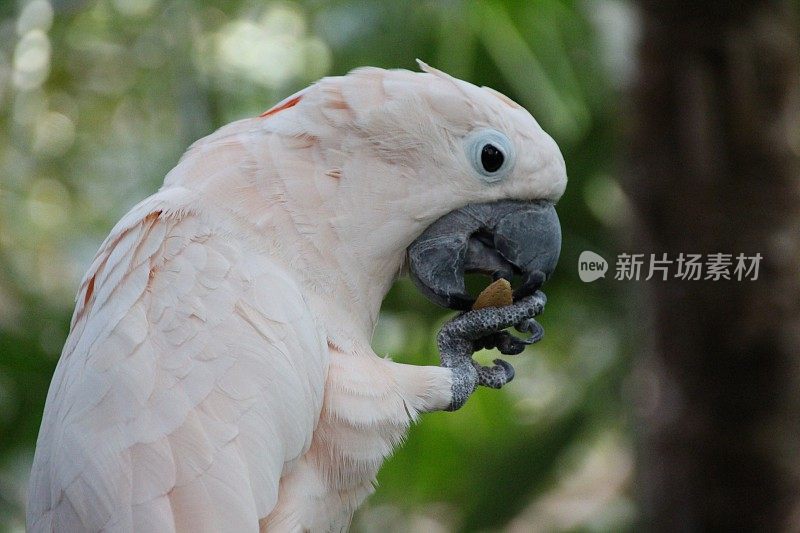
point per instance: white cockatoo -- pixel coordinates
(218, 374)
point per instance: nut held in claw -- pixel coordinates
(498, 294)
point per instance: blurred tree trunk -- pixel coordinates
(715, 167)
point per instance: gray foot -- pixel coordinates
(473, 330)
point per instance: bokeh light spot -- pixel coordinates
(272, 51)
(31, 60)
(53, 134)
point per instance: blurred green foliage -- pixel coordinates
(98, 99)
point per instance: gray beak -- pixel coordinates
(500, 239)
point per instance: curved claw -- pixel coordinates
(495, 376)
(507, 368)
(530, 325)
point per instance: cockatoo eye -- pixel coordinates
(491, 154)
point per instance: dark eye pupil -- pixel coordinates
(491, 158)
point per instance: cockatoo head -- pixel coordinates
(460, 176)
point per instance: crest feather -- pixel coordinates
(424, 67)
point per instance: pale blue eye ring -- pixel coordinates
(490, 154)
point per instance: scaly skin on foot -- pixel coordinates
(483, 328)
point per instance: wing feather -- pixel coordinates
(192, 376)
